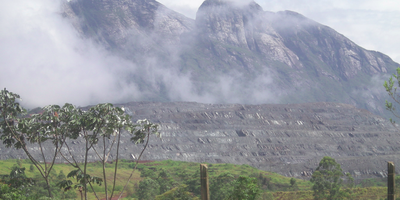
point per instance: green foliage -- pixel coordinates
(165, 181)
(10, 112)
(162, 183)
(36, 187)
(349, 180)
(245, 188)
(179, 192)
(31, 168)
(148, 189)
(327, 180)
(189, 174)
(81, 179)
(267, 196)
(370, 182)
(149, 173)
(56, 124)
(222, 186)
(61, 176)
(391, 88)
(293, 184)
(19, 163)
(176, 171)
(17, 129)
(193, 182)
(9, 193)
(17, 178)
(397, 181)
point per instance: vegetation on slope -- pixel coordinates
(182, 178)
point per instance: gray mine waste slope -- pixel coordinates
(288, 139)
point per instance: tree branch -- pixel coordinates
(137, 162)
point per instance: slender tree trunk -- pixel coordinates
(42, 171)
(76, 165)
(137, 162)
(84, 170)
(104, 166)
(80, 191)
(116, 164)
(48, 187)
(46, 171)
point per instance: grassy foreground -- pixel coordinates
(277, 186)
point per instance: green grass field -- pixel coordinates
(180, 171)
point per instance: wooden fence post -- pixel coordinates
(391, 175)
(205, 194)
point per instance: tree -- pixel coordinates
(17, 178)
(17, 129)
(222, 186)
(245, 188)
(61, 176)
(193, 183)
(9, 193)
(19, 163)
(327, 180)
(31, 168)
(39, 189)
(391, 87)
(148, 189)
(293, 184)
(165, 181)
(148, 173)
(56, 125)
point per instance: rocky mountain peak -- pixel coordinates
(302, 60)
(232, 3)
(241, 24)
(227, 10)
(120, 24)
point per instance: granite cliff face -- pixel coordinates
(114, 23)
(223, 24)
(310, 40)
(292, 58)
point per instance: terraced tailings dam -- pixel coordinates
(287, 139)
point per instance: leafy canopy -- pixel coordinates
(327, 180)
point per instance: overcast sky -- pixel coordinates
(372, 24)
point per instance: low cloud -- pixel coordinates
(45, 61)
(373, 91)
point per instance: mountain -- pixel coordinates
(234, 53)
(115, 23)
(251, 63)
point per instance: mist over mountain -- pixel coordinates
(232, 53)
(87, 52)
